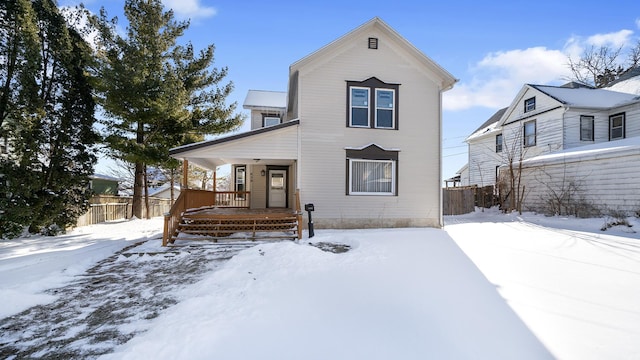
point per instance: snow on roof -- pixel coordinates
(489, 126)
(162, 188)
(103, 177)
(265, 99)
(601, 150)
(629, 85)
(588, 98)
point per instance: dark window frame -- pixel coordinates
(623, 126)
(589, 120)
(530, 104)
(499, 143)
(525, 137)
(372, 153)
(236, 169)
(373, 84)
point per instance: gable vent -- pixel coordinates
(373, 43)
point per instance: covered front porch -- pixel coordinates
(263, 194)
(216, 216)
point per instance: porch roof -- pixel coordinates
(274, 145)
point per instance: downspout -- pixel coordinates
(440, 205)
(299, 157)
(564, 113)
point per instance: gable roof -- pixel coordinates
(586, 97)
(447, 80)
(489, 125)
(260, 99)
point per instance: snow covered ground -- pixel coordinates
(488, 286)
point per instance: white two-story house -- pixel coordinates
(358, 134)
(559, 135)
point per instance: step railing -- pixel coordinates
(194, 199)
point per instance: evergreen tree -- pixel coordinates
(48, 116)
(155, 93)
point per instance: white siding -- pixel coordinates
(632, 119)
(483, 160)
(607, 181)
(323, 111)
(549, 124)
(280, 144)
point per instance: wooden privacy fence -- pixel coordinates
(110, 208)
(457, 201)
(463, 200)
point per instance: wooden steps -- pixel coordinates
(232, 225)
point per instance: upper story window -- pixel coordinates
(270, 120)
(529, 133)
(372, 104)
(617, 126)
(499, 143)
(385, 108)
(530, 104)
(586, 128)
(359, 101)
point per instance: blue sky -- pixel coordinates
(493, 48)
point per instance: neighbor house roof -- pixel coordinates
(488, 126)
(586, 97)
(260, 99)
(629, 82)
(103, 177)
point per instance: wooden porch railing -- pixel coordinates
(192, 199)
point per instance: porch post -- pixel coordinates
(185, 174)
(214, 187)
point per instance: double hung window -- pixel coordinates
(499, 142)
(586, 128)
(617, 126)
(530, 104)
(529, 136)
(372, 104)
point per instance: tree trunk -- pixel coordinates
(146, 194)
(138, 184)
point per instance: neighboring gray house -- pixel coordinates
(164, 191)
(575, 142)
(358, 133)
(103, 184)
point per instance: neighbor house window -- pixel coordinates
(372, 104)
(530, 104)
(586, 128)
(270, 120)
(372, 171)
(616, 126)
(529, 133)
(499, 143)
(371, 177)
(240, 182)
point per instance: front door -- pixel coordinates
(277, 188)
